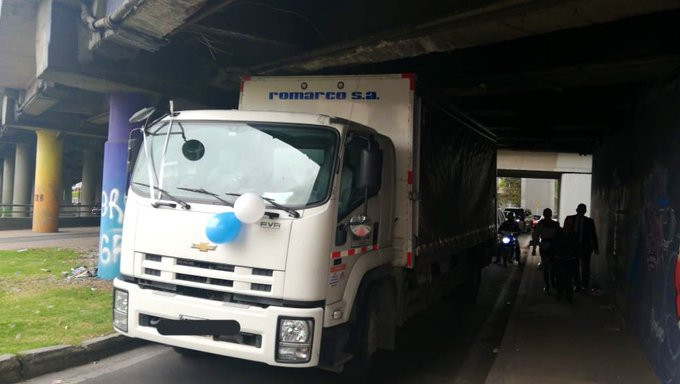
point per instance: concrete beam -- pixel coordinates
(544, 162)
(64, 130)
(499, 21)
(61, 59)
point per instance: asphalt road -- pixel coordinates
(448, 343)
(66, 237)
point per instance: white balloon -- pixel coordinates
(249, 208)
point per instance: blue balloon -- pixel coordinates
(223, 228)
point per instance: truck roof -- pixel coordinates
(262, 116)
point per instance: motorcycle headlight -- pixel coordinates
(506, 240)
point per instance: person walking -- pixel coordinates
(581, 231)
(542, 237)
(563, 265)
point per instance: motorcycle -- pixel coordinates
(509, 247)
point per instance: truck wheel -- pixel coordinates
(364, 340)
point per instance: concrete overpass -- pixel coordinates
(592, 77)
(572, 171)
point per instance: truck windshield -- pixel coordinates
(289, 164)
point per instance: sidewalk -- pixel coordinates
(549, 341)
(79, 237)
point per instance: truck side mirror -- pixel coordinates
(370, 170)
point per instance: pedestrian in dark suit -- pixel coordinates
(563, 266)
(581, 231)
(545, 232)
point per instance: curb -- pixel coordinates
(36, 362)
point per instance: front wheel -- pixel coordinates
(364, 341)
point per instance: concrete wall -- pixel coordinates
(636, 200)
(574, 190)
(544, 161)
(538, 194)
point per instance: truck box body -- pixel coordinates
(446, 164)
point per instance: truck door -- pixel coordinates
(359, 211)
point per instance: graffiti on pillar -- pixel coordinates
(659, 248)
(110, 241)
(113, 208)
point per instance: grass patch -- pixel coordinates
(41, 307)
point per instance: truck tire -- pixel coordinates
(364, 340)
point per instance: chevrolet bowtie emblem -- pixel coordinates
(204, 247)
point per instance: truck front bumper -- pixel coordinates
(256, 323)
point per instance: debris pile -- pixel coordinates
(80, 272)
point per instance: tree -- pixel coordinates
(509, 190)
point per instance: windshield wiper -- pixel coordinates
(291, 211)
(204, 192)
(156, 204)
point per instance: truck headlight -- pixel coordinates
(120, 310)
(294, 340)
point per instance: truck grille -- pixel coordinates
(210, 275)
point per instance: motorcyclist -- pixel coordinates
(511, 226)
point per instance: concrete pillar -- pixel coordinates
(1, 171)
(23, 173)
(98, 182)
(121, 107)
(89, 180)
(48, 192)
(574, 190)
(7, 184)
(67, 193)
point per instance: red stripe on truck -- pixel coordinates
(243, 80)
(353, 251)
(411, 77)
(409, 259)
(409, 178)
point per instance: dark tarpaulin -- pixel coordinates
(457, 179)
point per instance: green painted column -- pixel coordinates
(48, 192)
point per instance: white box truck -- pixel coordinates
(377, 201)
